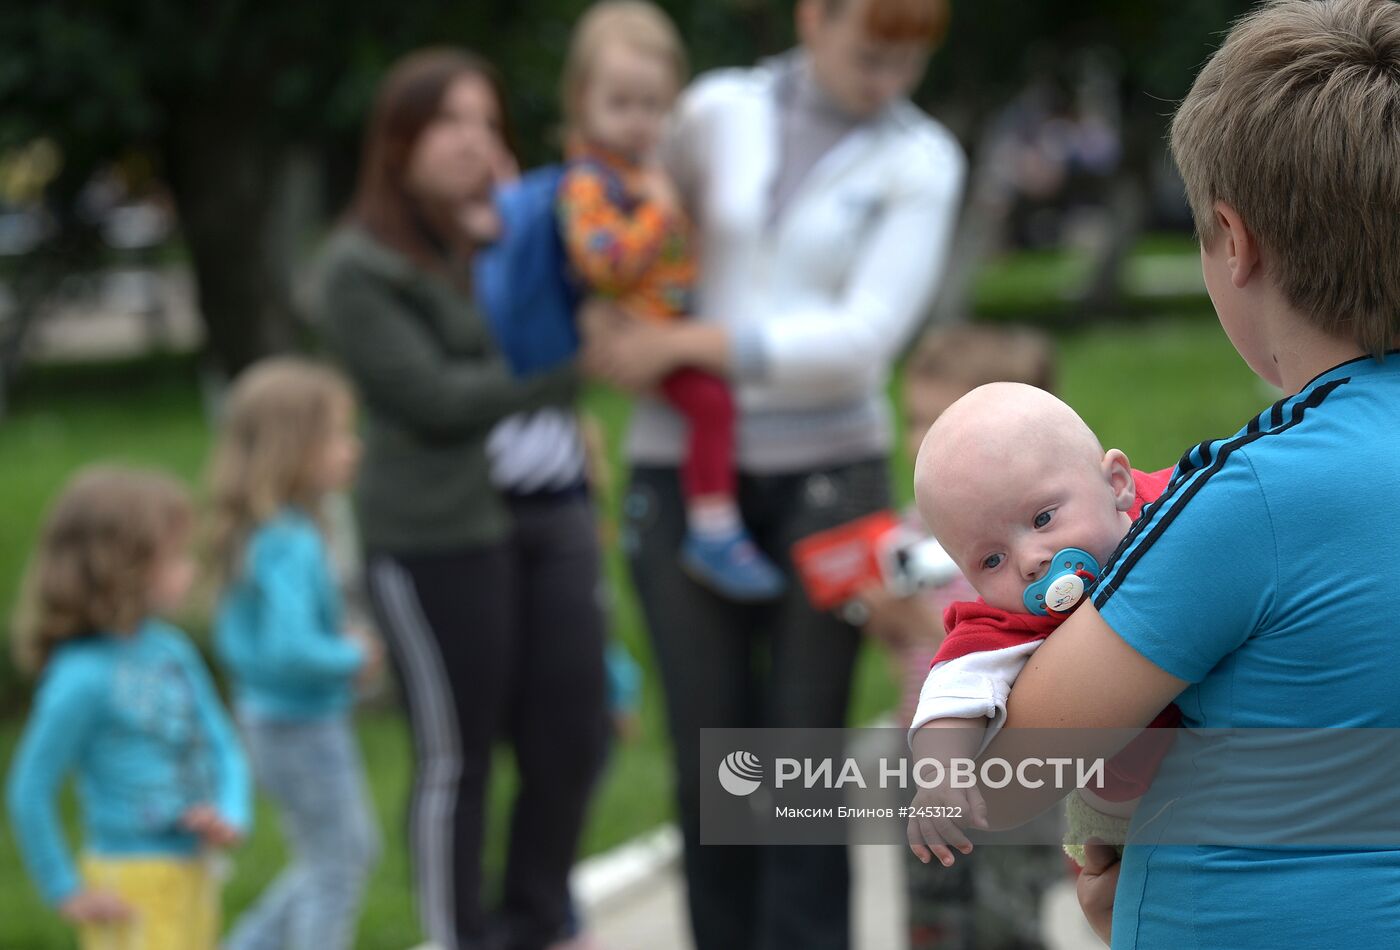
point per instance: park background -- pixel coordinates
(168, 169)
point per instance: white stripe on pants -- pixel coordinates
(431, 707)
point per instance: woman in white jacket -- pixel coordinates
(824, 203)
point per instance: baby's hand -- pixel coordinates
(93, 906)
(934, 817)
(937, 812)
(213, 830)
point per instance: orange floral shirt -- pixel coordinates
(622, 245)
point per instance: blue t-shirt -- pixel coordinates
(1266, 576)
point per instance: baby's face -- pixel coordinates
(626, 100)
(1003, 523)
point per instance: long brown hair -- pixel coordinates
(409, 98)
(276, 421)
(91, 571)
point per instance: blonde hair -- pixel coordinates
(637, 24)
(277, 418)
(91, 571)
(1295, 122)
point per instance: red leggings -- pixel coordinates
(705, 401)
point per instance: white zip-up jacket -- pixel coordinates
(820, 301)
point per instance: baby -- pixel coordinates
(629, 239)
(1019, 492)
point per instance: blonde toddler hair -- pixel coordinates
(276, 421)
(642, 26)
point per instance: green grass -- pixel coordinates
(145, 412)
(1151, 388)
(1162, 277)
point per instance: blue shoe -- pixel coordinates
(732, 566)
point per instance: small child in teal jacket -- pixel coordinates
(287, 440)
(125, 703)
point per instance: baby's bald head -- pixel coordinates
(996, 423)
(995, 452)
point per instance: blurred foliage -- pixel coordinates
(223, 94)
(98, 76)
(1156, 46)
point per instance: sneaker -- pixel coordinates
(732, 566)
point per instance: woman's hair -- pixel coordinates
(91, 571)
(901, 21)
(637, 24)
(409, 99)
(276, 420)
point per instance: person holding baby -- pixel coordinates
(1258, 590)
(822, 202)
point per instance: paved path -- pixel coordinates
(653, 917)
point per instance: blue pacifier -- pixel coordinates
(1062, 588)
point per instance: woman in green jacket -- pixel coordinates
(484, 583)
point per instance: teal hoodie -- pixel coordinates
(278, 630)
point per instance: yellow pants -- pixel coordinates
(175, 904)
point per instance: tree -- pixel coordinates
(225, 94)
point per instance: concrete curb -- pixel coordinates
(610, 877)
(606, 878)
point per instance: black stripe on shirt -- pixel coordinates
(1224, 451)
(1184, 467)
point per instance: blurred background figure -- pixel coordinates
(486, 596)
(126, 704)
(824, 202)
(293, 657)
(630, 241)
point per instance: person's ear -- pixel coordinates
(1119, 476)
(1241, 249)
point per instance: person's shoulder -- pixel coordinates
(1213, 469)
(921, 129)
(927, 147)
(82, 665)
(167, 636)
(351, 250)
(732, 82)
(725, 87)
(1275, 443)
(288, 535)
